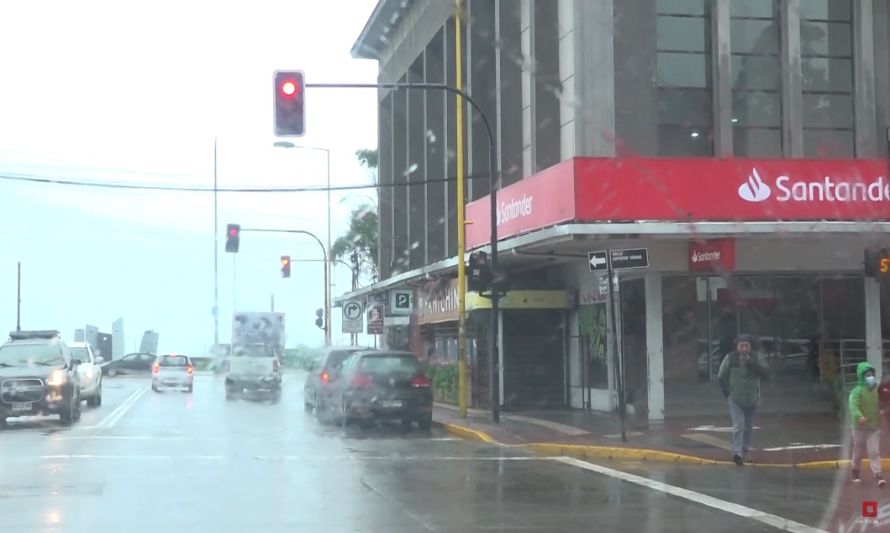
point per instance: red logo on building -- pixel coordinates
(869, 509)
(717, 255)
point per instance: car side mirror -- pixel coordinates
(99, 359)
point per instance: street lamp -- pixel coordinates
(327, 288)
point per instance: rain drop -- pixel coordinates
(431, 136)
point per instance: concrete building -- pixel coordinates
(742, 144)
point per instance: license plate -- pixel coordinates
(21, 406)
(392, 403)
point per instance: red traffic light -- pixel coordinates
(289, 88)
(233, 232)
(285, 266)
(233, 239)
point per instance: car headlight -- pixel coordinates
(58, 377)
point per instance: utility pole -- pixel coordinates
(215, 254)
(461, 228)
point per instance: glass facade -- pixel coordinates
(826, 65)
(683, 73)
(756, 78)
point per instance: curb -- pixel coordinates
(590, 451)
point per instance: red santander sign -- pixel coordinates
(688, 190)
(716, 255)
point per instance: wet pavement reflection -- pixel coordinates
(194, 462)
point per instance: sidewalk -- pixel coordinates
(780, 440)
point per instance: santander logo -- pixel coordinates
(826, 189)
(754, 190)
(713, 255)
(513, 209)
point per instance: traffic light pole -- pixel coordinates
(215, 256)
(327, 285)
(493, 366)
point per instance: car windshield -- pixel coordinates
(336, 358)
(30, 354)
(174, 360)
(389, 364)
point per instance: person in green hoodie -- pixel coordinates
(866, 419)
(740, 374)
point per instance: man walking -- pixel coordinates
(866, 418)
(740, 374)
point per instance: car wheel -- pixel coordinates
(425, 423)
(112, 372)
(96, 399)
(2, 423)
(191, 388)
(98, 396)
(67, 416)
(155, 388)
(77, 410)
(230, 394)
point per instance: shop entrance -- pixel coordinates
(804, 326)
(632, 305)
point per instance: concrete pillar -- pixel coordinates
(721, 63)
(864, 79)
(873, 343)
(881, 29)
(527, 10)
(655, 345)
(792, 98)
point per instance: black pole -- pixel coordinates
(619, 371)
(493, 366)
(18, 300)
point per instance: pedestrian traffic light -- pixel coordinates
(479, 276)
(289, 94)
(877, 263)
(233, 237)
(285, 266)
(319, 321)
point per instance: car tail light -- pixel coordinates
(420, 382)
(325, 378)
(189, 368)
(361, 381)
(155, 368)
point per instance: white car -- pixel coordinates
(89, 372)
(173, 370)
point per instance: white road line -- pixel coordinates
(697, 497)
(301, 458)
(115, 416)
(127, 457)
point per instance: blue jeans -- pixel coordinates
(742, 426)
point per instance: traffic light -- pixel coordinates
(319, 321)
(233, 237)
(289, 91)
(479, 276)
(285, 266)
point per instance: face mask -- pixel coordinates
(870, 381)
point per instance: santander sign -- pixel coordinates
(825, 189)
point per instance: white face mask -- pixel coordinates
(870, 381)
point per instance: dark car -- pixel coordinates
(379, 385)
(318, 382)
(38, 376)
(137, 363)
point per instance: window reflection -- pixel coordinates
(827, 78)
(684, 78)
(756, 79)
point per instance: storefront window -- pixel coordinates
(827, 70)
(756, 79)
(684, 78)
(592, 321)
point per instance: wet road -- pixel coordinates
(180, 462)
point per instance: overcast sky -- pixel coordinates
(127, 92)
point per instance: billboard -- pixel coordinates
(258, 328)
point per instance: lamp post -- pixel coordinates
(327, 285)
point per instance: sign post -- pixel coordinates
(613, 261)
(352, 316)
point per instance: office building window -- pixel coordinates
(826, 65)
(683, 70)
(756, 78)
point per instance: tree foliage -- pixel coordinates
(361, 242)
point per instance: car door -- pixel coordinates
(126, 364)
(86, 370)
(143, 363)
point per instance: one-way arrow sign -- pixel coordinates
(597, 261)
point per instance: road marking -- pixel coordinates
(803, 447)
(115, 416)
(555, 426)
(301, 458)
(715, 429)
(629, 434)
(127, 457)
(697, 497)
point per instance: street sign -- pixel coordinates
(352, 316)
(375, 319)
(596, 261)
(626, 259)
(401, 301)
